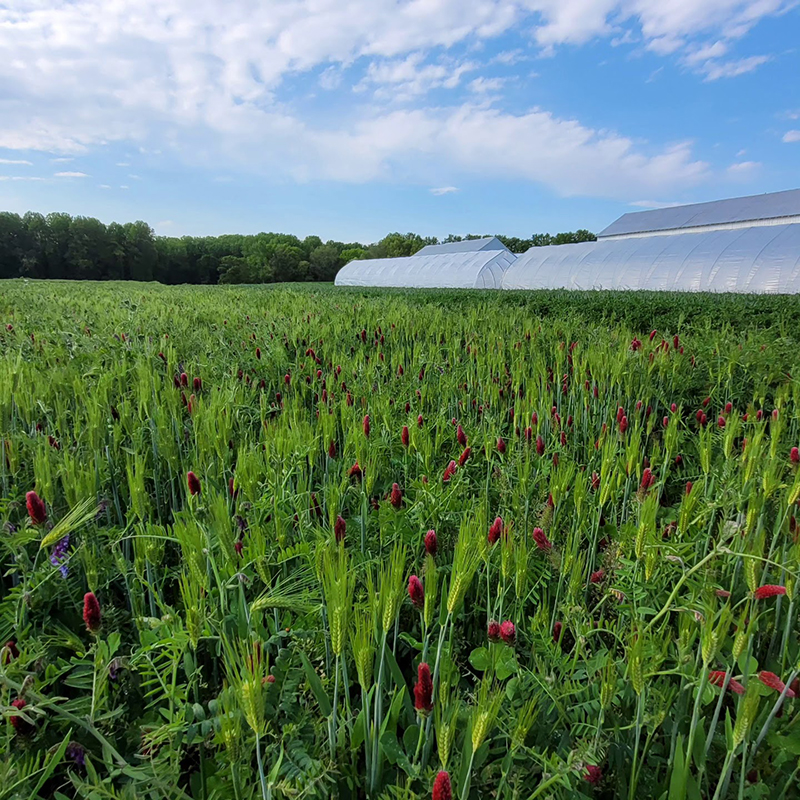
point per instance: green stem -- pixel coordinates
(677, 588)
(419, 741)
(261, 776)
(693, 729)
(378, 714)
(94, 683)
(717, 709)
(428, 739)
(743, 771)
(639, 705)
(465, 788)
(544, 786)
(367, 751)
(332, 729)
(725, 768)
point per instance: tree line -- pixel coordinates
(83, 248)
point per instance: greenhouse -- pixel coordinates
(749, 244)
(475, 264)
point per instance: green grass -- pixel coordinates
(624, 625)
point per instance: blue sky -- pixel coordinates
(352, 118)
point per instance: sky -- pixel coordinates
(353, 118)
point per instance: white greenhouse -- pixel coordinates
(474, 264)
(745, 244)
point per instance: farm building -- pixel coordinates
(472, 264)
(744, 244)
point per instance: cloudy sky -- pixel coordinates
(352, 118)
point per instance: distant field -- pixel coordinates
(304, 542)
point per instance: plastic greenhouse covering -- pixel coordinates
(451, 270)
(757, 208)
(757, 259)
(464, 246)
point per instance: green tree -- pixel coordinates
(89, 250)
(353, 254)
(13, 239)
(60, 246)
(235, 269)
(285, 262)
(141, 255)
(55, 246)
(325, 262)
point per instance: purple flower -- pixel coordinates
(76, 753)
(113, 669)
(102, 507)
(60, 556)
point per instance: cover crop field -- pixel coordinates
(300, 542)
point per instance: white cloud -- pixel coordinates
(165, 223)
(331, 78)
(19, 178)
(714, 70)
(791, 136)
(743, 169)
(201, 80)
(444, 190)
(123, 163)
(486, 85)
(103, 186)
(71, 175)
(536, 146)
(407, 78)
(124, 187)
(19, 161)
(705, 53)
(509, 57)
(61, 160)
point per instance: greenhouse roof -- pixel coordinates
(464, 246)
(737, 212)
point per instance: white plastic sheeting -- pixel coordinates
(454, 270)
(735, 211)
(758, 259)
(464, 246)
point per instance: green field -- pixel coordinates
(210, 593)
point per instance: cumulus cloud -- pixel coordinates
(444, 190)
(18, 161)
(71, 175)
(791, 136)
(203, 80)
